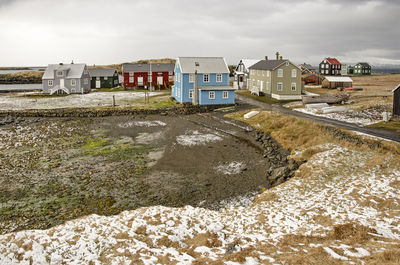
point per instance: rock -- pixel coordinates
(280, 172)
(292, 164)
(232, 248)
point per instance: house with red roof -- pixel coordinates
(330, 66)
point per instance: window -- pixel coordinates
(191, 78)
(219, 78)
(211, 95)
(225, 94)
(150, 78)
(105, 78)
(206, 78)
(50, 82)
(287, 63)
(130, 73)
(176, 92)
(294, 72)
(268, 73)
(170, 72)
(86, 81)
(279, 87)
(130, 79)
(60, 73)
(73, 82)
(293, 86)
(268, 87)
(280, 72)
(170, 78)
(191, 93)
(263, 73)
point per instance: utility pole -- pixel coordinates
(151, 79)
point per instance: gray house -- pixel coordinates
(66, 79)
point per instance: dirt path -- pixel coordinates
(388, 135)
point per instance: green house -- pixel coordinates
(362, 69)
(103, 78)
(350, 70)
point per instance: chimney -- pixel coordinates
(61, 64)
(72, 62)
(266, 58)
(277, 55)
(280, 58)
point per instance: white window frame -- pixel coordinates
(50, 82)
(131, 79)
(294, 73)
(98, 78)
(106, 78)
(191, 91)
(170, 72)
(279, 87)
(170, 78)
(206, 80)
(268, 73)
(191, 78)
(219, 78)
(225, 94)
(131, 73)
(280, 73)
(293, 86)
(73, 82)
(211, 95)
(60, 73)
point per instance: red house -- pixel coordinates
(142, 75)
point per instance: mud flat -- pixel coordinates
(58, 169)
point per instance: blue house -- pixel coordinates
(202, 81)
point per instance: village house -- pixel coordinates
(143, 75)
(396, 101)
(344, 69)
(330, 66)
(362, 69)
(66, 79)
(311, 79)
(280, 79)
(202, 81)
(104, 78)
(242, 73)
(307, 69)
(333, 82)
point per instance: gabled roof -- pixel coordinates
(155, 67)
(208, 65)
(344, 79)
(268, 64)
(102, 72)
(333, 61)
(249, 62)
(307, 66)
(398, 87)
(73, 70)
(364, 64)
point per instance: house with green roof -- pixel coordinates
(280, 79)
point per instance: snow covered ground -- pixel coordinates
(337, 186)
(362, 118)
(17, 101)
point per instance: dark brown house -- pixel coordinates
(311, 79)
(396, 101)
(330, 66)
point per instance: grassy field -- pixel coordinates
(262, 99)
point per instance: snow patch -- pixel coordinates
(194, 138)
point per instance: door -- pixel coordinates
(98, 84)
(159, 80)
(261, 86)
(62, 83)
(240, 82)
(140, 80)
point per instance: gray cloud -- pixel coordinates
(101, 31)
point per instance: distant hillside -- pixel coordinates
(146, 61)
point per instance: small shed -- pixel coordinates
(396, 101)
(333, 82)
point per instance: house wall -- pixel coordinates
(396, 102)
(205, 100)
(361, 70)
(112, 81)
(334, 85)
(80, 87)
(270, 83)
(176, 90)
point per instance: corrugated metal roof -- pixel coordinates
(206, 65)
(102, 72)
(74, 70)
(333, 61)
(338, 79)
(155, 67)
(268, 64)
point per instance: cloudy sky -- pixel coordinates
(38, 32)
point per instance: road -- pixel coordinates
(385, 134)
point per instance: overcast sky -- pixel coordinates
(39, 32)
